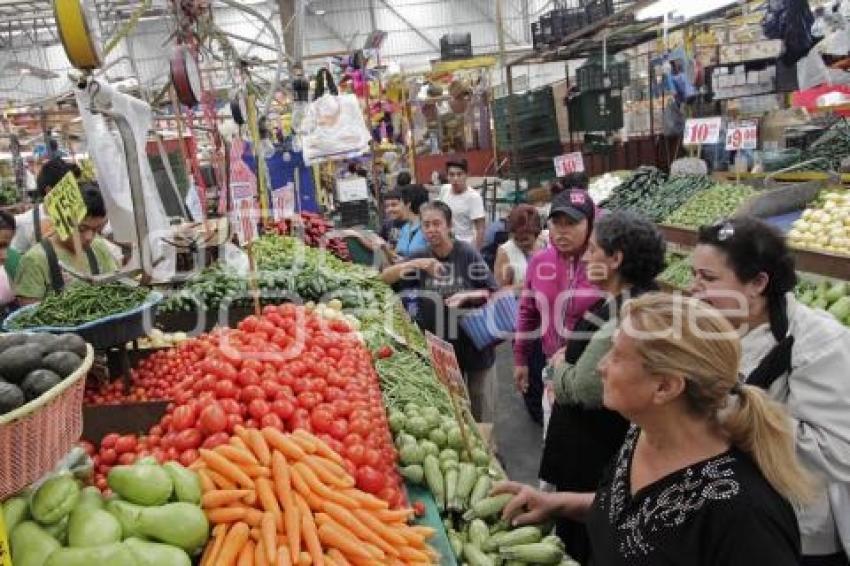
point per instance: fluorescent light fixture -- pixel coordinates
(677, 9)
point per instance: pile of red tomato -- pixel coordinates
(257, 376)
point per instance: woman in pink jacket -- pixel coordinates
(557, 291)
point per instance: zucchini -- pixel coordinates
(466, 477)
(478, 533)
(456, 543)
(488, 507)
(536, 553)
(522, 535)
(474, 556)
(480, 490)
(413, 473)
(435, 481)
(451, 488)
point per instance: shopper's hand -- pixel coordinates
(529, 506)
(521, 378)
(559, 358)
(431, 266)
(457, 300)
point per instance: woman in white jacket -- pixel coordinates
(801, 356)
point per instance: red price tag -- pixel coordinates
(702, 131)
(445, 364)
(741, 135)
(568, 164)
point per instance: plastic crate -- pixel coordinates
(591, 76)
(456, 46)
(566, 21)
(542, 128)
(537, 37)
(534, 103)
(596, 10)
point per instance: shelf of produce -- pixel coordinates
(828, 265)
(126, 418)
(431, 518)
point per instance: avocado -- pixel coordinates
(11, 397)
(71, 343)
(13, 339)
(62, 363)
(39, 381)
(17, 361)
(46, 340)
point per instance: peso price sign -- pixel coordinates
(702, 131)
(741, 135)
(569, 163)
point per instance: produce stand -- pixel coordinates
(431, 518)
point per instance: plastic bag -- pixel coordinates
(797, 38)
(811, 71)
(674, 119)
(333, 126)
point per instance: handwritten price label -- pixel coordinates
(741, 135)
(569, 163)
(702, 131)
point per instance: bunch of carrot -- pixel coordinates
(280, 499)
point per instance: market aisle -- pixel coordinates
(518, 437)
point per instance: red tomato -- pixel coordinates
(108, 456)
(370, 480)
(258, 408)
(183, 417)
(251, 393)
(300, 419)
(273, 421)
(156, 430)
(372, 458)
(284, 408)
(189, 438)
(225, 389)
(233, 421)
(356, 453)
(187, 457)
(126, 443)
(360, 426)
(339, 429)
(231, 406)
(419, 509)
(342, 408)
(109, 440)
(213, 419)
(308, 400)
(127, 458)
(321, 419)
(248, 376)
(154, 439)
(216, 440)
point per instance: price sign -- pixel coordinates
(444, 361)
(702, 131)
(283, 202)
(245, 219)
(569, 163)
(65, 206)
(352, 188)
(741, 135)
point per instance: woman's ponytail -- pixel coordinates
(760, 427)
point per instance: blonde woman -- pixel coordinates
(707, 469)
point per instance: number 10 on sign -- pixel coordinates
(569, 163)
(701, 131)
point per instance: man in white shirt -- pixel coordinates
(467, 206)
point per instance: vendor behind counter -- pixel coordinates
(40, 272)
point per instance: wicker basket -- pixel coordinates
(34, 437)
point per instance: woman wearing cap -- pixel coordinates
(624, 255)
(556, 295)
(799, 355)
(512, 257)
(707, 469)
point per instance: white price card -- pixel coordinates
(283, 202)
(352, 188)
(742, 135)
(569, 163)
(702, 131)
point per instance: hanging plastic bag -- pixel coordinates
(811, 71)
(674, 119)
(333, 126)
(798, 38)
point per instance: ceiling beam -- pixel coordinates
(409, 24)
(486, 13)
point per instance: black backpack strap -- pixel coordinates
(36, 223)
(93, 265)
(56, 280)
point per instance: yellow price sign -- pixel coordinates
(65, 206)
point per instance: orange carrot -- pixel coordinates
(422, 531)
(259, 446)
(213, 549)
(256, 535)
(226, 468)
(366, 500)
(196, 465)
(305, 440)
(226, 515)
(411, 554)
(268, 501)
(320, 489)
(269, 534)
(260, 558)
(392, 515)
(236, 455)
(236, 538)
(345, 518)
(222, 497)
(256, 471)
(329, 472)
(220, 481)
(324, 518)
(303, 489)
(237, 442)
(322, 448)
(285, 444)
(309, 532)
(333, 535)
(338, 557)
(253, 516)
(207, 483)
(304, 559)
(283, 557)
(388, 534)
(291, 517)
(246, 555)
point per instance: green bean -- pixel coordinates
(81, 303)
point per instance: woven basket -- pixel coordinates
(34, 437)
